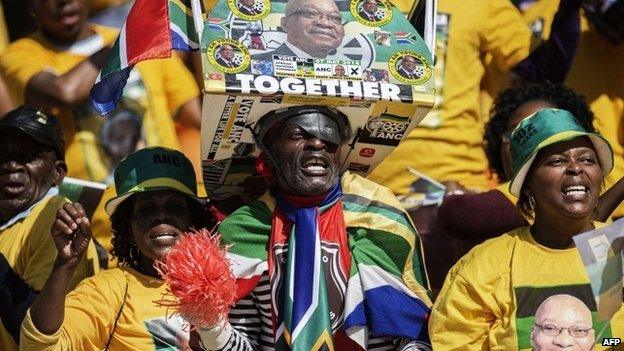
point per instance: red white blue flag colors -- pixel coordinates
(153, 28)
(385, 293)
(306, 322)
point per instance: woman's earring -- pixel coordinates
(134, 257)
(532, 202)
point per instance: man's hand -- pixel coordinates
(71, 232)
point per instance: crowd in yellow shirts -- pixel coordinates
(525, 135)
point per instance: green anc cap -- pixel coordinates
(546, 127)
(152, 169)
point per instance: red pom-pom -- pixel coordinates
(201, 287)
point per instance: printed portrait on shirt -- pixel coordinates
(558, 318)
(563, 321)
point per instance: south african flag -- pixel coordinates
(153, 28)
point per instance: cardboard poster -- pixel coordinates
(88, 194)
(361, 56)
(601, 251)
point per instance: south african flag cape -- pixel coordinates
(386, 291)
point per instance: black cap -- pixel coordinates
(325, 123)
(42, 127)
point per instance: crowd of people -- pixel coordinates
(525, 135)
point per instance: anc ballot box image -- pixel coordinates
(362, 57)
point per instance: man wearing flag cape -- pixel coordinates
(325, 259)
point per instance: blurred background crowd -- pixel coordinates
(497, 61)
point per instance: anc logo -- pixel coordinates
(409, 67)
(228, 55)
(373, 13)
(384, 130)
(379, 126)
(367, 152)
(250, 10)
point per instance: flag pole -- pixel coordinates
(197, 18)
(198, 21)
(430, 26)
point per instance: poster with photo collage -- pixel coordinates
(360, 56)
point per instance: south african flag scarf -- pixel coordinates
(302, 311)
(381, 255)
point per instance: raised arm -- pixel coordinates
(46, 89)
(609, 201)
(552, 59)
(71, 232)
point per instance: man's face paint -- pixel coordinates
(306, 151)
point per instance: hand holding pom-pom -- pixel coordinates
(201, 287)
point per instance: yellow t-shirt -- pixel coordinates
(597, 74)
(4, 34)
(504, 188)
(447, 143)
(489, 298)
(538, 16)
(101, 224)
(91, 310)
(156, 87)
(30, 251)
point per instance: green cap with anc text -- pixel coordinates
(152, 169)
(547, 127)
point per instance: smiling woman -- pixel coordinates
(491, 296)
(138, 241)
(156, 202)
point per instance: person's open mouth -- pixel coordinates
(12, 187)
(575, 192)
(69, 17)
(162, 236)
(315, 166)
